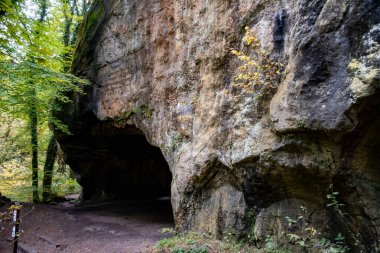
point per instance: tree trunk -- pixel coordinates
(43, 11)
(33, 124)
(69, 8)
(33, 118)
(51, 154)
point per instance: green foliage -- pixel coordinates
(332, 199)
(309, 238)
(271, 246)
(300, 124)
(15, 176)
(198, 250)
(31, 62)
(193, 242)
(251, 236)
(20, 80)
(169, 231)
(13, 30)
(179, 250)
(193, 249)
(33, 84)
(94, 16)
(15, 183)
(230, 239)
(170, 242)
(63, 184)
(336, 246)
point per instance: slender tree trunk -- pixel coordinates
(43, 11)
(77, 24)
(68, 14)
(51, 151)
(69, 9)
(33, 121)
(85, 6)
(33, 117)
(51, 154)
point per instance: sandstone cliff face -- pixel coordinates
(162, 69)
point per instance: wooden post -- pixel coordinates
(16, 226)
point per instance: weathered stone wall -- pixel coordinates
(165, 68)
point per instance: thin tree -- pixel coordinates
(33, 115)
(70, 8)
(51, 154)
(51, 151)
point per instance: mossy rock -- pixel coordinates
(89, 32)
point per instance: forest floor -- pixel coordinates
(104, 227)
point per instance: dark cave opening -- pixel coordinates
(358, 180)
(126, 181)
(117, 163)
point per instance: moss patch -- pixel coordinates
(87, 36)
(94, 16)
(142, 111)
(193, 242)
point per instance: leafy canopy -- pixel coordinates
(31, 62)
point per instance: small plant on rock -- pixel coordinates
(309, 237)
(257, 71)
(333, 201)
(272, 247)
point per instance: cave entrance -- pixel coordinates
(118, 163)
(367, 152)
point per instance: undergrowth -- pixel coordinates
(15, 160)
(193, 242)
(301, 237)
(204, 243)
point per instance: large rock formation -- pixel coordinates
(239, 161)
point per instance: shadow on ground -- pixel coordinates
(105, 227)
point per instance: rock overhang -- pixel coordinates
(165, 67)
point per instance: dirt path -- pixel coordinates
(105, 227)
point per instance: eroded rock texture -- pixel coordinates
(161, 70)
